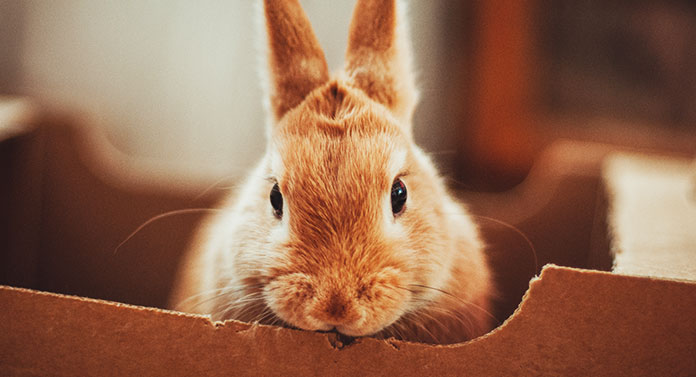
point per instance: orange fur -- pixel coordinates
(338, 257)
(297, 63)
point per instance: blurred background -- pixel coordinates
(174, 85)
(176, 82)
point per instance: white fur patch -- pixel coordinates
(397, 161)
(276, 164)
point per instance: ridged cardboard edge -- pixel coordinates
(571, 322)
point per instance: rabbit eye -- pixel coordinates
(277, 201)
(398, 196)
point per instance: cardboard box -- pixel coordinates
(71, 304)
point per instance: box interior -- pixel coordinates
(71, 199)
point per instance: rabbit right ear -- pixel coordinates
(295, 59)
(379, 56)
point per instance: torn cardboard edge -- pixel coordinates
(571, 321)
(243, 326)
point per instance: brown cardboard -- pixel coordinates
(68, 199)
(572, 322)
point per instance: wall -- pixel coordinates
(176, 81)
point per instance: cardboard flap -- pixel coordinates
(652, 215)
(571, 322)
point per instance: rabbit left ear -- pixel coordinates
(296, 61)
(379, 56)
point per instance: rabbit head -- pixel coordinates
(359, 221)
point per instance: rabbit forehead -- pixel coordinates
(343, 160)
(338, 133)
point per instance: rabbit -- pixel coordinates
(345, 224)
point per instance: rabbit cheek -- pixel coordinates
(379, 301)
(289, 296)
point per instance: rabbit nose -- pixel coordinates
(336, 307)
(336, 310)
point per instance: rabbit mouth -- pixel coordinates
(344, 335)
(340, 340)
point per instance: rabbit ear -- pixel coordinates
(379, 56)
(296, 61)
